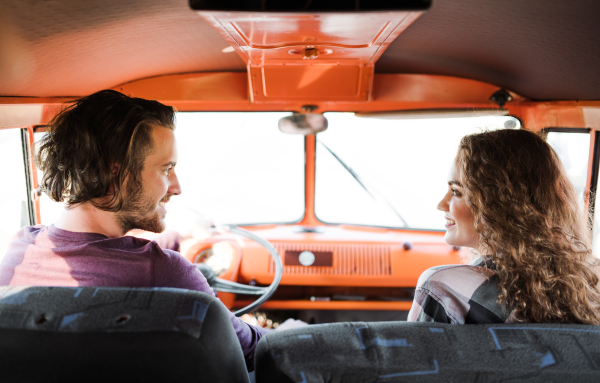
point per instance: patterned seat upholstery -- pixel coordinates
(430, 352)
(116, 334)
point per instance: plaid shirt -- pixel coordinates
(458, 294)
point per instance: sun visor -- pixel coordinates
(325, 50)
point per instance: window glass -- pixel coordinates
(238, 168)
(235, 168)
(596, 231)
(49, 210)
(573, 150)
(389, 172)
(13, 194)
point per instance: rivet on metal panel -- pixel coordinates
(310, 53)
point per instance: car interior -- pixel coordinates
(314, 140)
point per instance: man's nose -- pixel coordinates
(174, 187)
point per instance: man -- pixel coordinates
(111, 159)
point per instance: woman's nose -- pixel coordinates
(443, 204)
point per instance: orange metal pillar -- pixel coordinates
(309, 213)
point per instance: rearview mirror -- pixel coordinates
(303, 123)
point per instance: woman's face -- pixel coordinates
(460, 222)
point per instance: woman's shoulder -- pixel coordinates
(466, 293)
(463, 276)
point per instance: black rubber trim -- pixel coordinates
(28, 170)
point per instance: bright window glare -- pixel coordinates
(237, 168)
(403, 164)
(50, 210)
(13, 196)
(573, 151)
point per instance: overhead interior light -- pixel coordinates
(228, 50)
(424, 114)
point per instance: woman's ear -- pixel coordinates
(115, 169)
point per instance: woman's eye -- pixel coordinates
(455, 192)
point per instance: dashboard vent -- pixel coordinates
(363, 260)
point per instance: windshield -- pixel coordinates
(238, 168)
(234, 168)
(389, 172)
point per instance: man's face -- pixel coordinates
(148, 192)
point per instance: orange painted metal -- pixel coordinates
(309, 218)
(208, 87)
(231, 274)
(431, 89)
(311, 83)
(357, 261)
(310, 57)
(329, 305)
(229, 92)
(538, 116)
(266, 36)
(428, 249)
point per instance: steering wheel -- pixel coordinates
(226, 286)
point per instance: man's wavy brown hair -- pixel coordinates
(95, 143)
(531, 226)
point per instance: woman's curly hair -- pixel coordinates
(531, 226)
(95, 143)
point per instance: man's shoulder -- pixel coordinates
(29, 233)
(165, 258)
(170, 255)
(33, 229)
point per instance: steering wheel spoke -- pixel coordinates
(226, 286)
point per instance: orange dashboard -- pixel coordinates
(334, 267)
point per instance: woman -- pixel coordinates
(510, 200)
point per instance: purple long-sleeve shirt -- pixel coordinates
(49, 256)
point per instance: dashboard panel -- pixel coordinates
(338, 267)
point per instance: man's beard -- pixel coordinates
(137, 212)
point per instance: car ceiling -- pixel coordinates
(540, 49)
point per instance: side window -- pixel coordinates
(13, 193)
(49, 210)
(573, 147)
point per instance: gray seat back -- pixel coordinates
(107, 334)
(430, 352)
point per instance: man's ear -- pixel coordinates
(115, 167)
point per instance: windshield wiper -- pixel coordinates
(376, 195)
